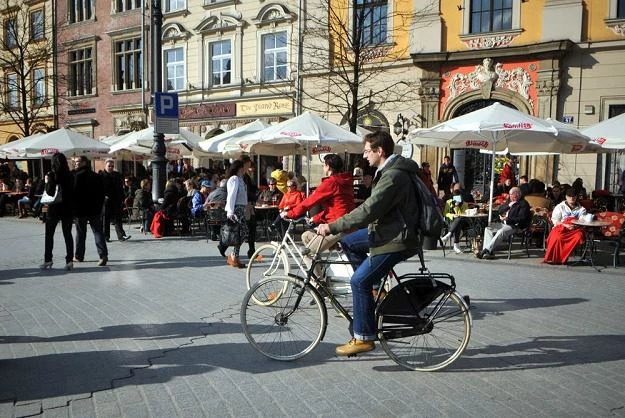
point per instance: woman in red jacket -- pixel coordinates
(292, 197)
(335, 195)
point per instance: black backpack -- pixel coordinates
(429, 218)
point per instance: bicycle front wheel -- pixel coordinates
(266, 262)
(289, 327)
(430, 340)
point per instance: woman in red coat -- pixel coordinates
(335, 195)
(292, 197)
(564, 236)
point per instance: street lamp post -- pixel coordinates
(159, 162)
(400, 127)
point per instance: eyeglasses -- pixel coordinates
(366, 151)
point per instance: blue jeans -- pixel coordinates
(368, 273)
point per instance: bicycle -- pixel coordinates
(423, 323)
(279, 258)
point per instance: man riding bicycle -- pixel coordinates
(392, 238)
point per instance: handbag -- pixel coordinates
(46, 199)
(231, 233)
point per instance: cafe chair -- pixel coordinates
(612, 236)
(524, 236)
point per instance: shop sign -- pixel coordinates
(265, 107)
(208, 110)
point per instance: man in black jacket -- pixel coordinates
(89, 201)
(516, 214)
(114, 197)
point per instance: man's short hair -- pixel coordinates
(515, 190)
(109, 160)
(570, 192)
(380, 139)
(334, 161)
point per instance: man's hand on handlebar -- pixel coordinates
(323, 229)
(284, 214)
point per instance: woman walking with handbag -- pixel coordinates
(234, 230)
(58, 188)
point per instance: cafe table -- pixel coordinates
(589, 228)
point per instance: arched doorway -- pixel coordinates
(474, 167)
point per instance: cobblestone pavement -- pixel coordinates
(156, 333)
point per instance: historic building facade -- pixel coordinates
(561, 59)
(229, 62)
(27, 99)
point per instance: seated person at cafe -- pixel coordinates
(171, 195)
(335, 196)
(272, 194)
(515, 214)
(578, 185)
(281, 177)
(143, 202)
(524, 185)
(564, 235)
(216, 200)
(503, 188)
(292, 197)
(454, 207)
(555, 194)
(197, 197)
(536, 196)
(363, 190)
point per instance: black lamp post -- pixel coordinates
(159, 162)
(400, 128)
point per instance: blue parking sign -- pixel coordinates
(166, 105)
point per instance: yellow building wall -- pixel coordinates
(531, 24)
(596, 30)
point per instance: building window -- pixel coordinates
(128, 64)
(37, 27)
(174, 69)
(39, 86)
(370, 22)
(274, 56)
(80, 10)
(490, 15)
(173, 5)
(10, 32)
(12, 90)
(125, 5)
(81, 72)
(620, 9)
(221, 63)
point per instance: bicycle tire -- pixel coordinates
(430, 341)
(266, 262)
(276, 330)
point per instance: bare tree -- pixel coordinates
(26, 52)
(351, 59)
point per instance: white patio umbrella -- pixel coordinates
(609, 133)
(303, 134)
(498, 127)
(141, 142)
(226, 142)
(62, 140)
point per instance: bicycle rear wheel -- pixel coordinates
(266, 262)
(279, 329)
(430, 340)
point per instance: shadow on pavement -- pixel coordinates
(90, 266)
(480, 308)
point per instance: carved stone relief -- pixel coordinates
(489, 41)
(485, 78)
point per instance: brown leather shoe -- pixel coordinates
(234, 262)
(355, 346)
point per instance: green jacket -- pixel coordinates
(388, 212)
